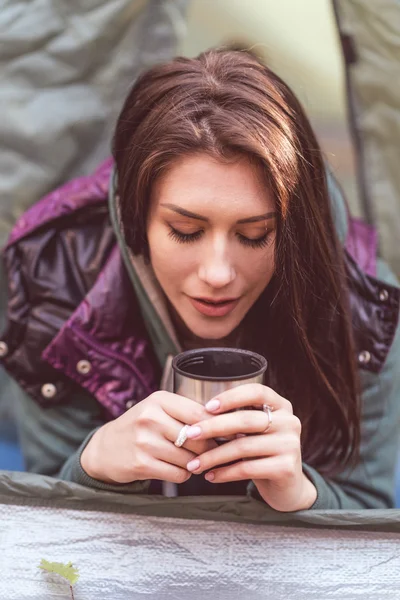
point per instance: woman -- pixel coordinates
(226, 237)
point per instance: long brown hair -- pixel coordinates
(228, 104)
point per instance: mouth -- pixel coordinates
(214, 308)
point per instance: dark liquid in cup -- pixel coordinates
(221, 364)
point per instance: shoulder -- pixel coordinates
(388, 279)
(58, 247)
(373, 287)
(375, 305)
(52, 259)
(380, 388)
(64, 203)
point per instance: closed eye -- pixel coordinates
(187, 238)
(184, 238)
(259, 242)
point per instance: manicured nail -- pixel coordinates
(213, 405)
(209, 476)
(193, 432)
(193, 465)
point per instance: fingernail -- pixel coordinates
(193, 432)
(209, 476)
(213, 405)
(193, 465)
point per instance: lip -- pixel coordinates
(216, 308)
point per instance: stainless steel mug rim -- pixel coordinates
(189, 353)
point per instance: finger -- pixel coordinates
(159, 469)
(245, 448)
(182, 409)
(154, 418)
(167, 452)
(245, 422)
(251, 394)
(273, 468)
(171, 429)
(242, 421)
(200, 446)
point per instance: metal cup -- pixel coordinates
(202, 374)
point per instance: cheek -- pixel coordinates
(169, 261)
(259, 270)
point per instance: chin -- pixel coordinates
(216, 331)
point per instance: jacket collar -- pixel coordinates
(147, 289)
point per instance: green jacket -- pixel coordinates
(53, 439)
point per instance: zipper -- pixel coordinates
(110, 354)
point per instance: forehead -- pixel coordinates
(202, 184)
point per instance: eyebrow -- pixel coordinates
(191, 215)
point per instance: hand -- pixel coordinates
(270, 456)
(140, 444)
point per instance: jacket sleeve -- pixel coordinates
(371, 483)
(53, 439)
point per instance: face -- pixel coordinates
(211, 234)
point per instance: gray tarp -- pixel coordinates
(129, 547)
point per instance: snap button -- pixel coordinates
(364, 357)
(83, 367)
(49, 390)
(3, 349)
(383, 295)
(129, 404)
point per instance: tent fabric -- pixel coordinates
(223, 548)
(65, 69)
(30, 489)
(374, 96)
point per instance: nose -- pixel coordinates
(216, 268)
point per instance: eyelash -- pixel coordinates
(186, 238)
